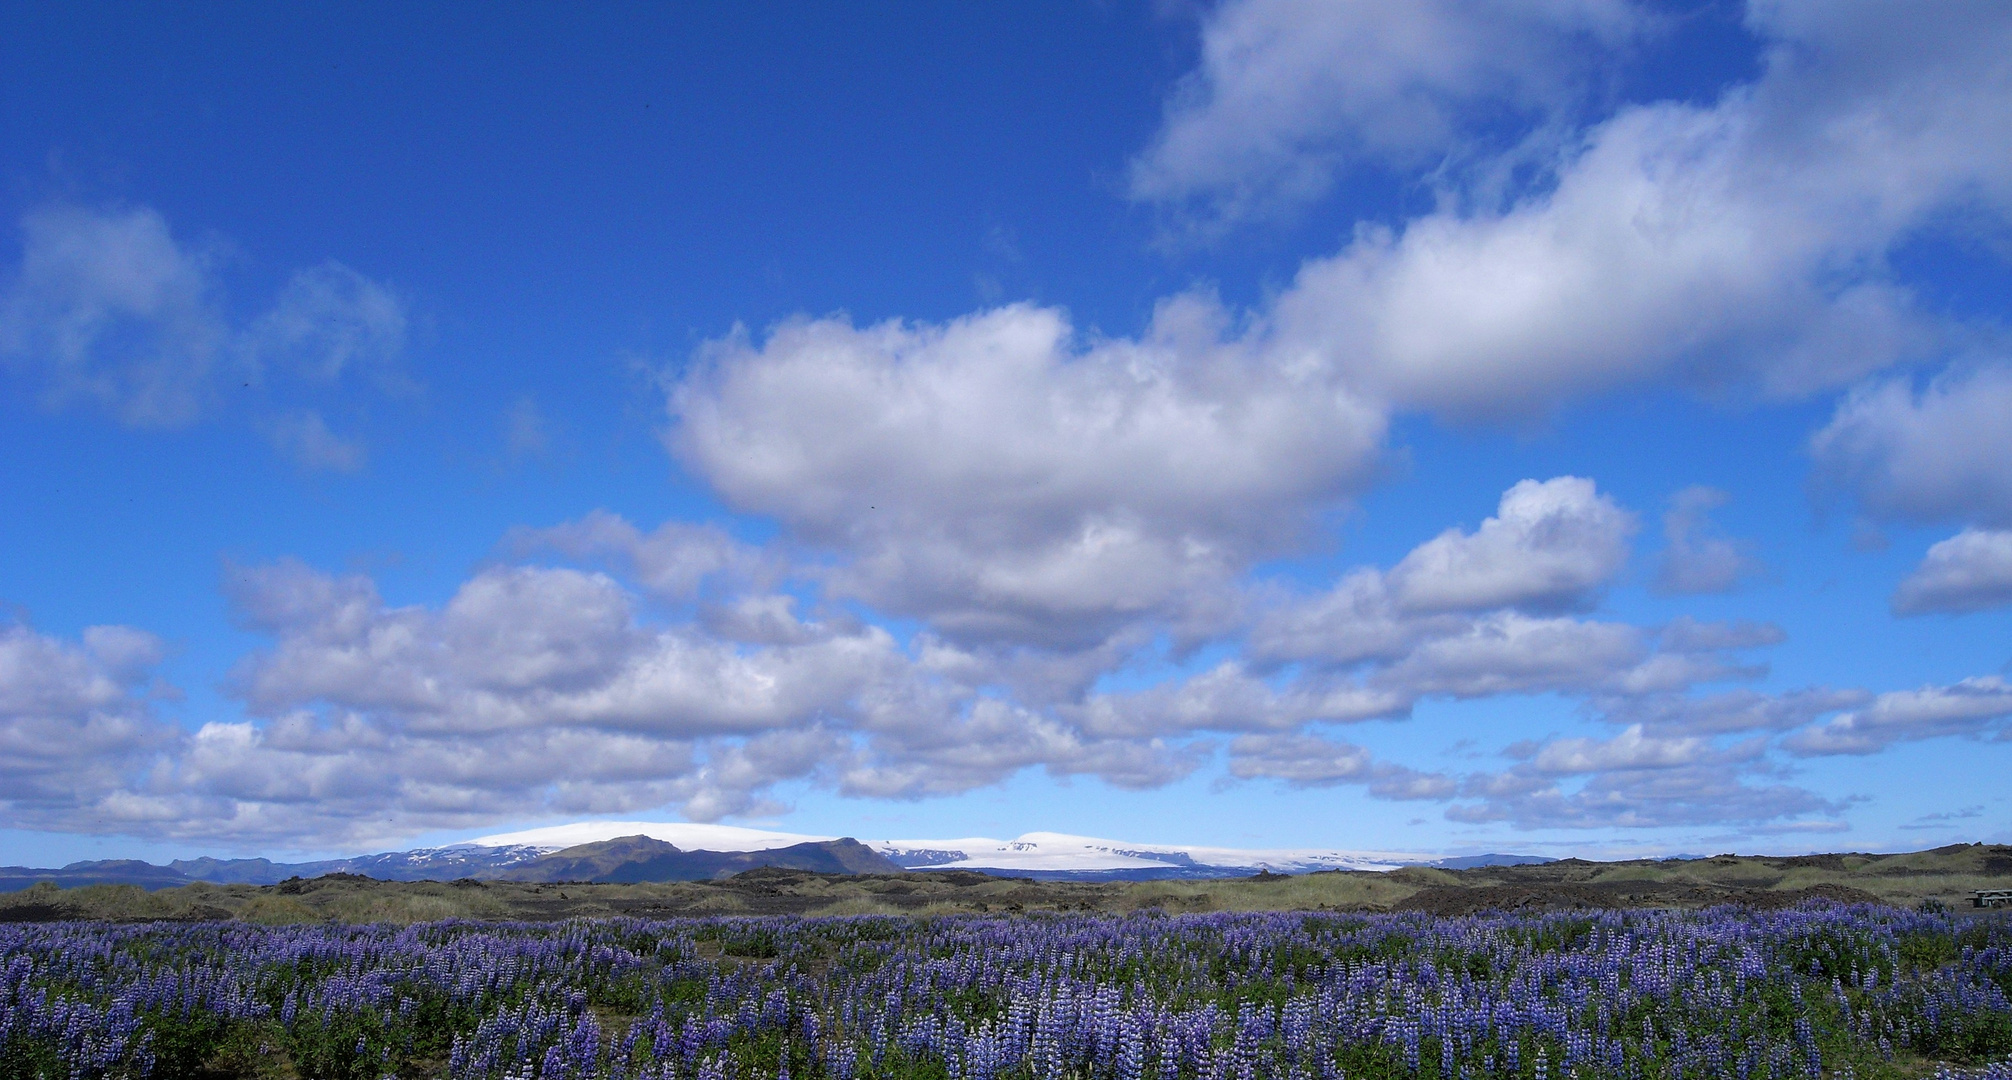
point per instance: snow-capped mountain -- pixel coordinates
(1048, 852)
(417, 864)
(710, 850)
(685, 835)
(1035, 854)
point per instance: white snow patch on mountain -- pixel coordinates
(1061, 851)
(684, 835)
(1029, 851)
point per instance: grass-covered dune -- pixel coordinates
(1946, 875)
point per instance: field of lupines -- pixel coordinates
(1817, 991)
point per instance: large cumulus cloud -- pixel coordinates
(79, 723)
(1008, 482)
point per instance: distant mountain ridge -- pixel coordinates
(661, 851)
(94, 872)
(424, 864)
(641, 858)
(1047, 856)
(623, 859)
(419, 864)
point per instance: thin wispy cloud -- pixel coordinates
(109, 308)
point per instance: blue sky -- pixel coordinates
(1574, 427)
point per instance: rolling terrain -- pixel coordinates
(621, 859)
(1946, 875)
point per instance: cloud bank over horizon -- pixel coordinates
(553, 691)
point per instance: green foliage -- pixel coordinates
(246, 1052)
(1969, 1039)
(30, 1061)
(1926, 950)
(758, 944)
(183, 1044)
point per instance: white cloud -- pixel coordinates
(1291, 92)
(1741, 242)
(348, 780)
(732, 780)
(1012, 486)
(993, 740)
(1731, 712)
(1313, 761)
(545, 688)
(306, 438)
(1446, 621)
(1007, 484)
(1508, 653)
(542, 687)
(42, 675)
(1229, 698)
(1709, 794)
(676, 562)
(530, 687)
(519, 648)
(1551, 545)
(1970, 571)
(1350, 624)
(1631, 749)
(330, 321)
(1649, 259)
(1699, 559)
(76, 722)
(1968, 707)
(1685, 634)
(1942, 453)
(108, 306)
(1634, 779)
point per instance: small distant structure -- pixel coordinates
(1991, 898)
